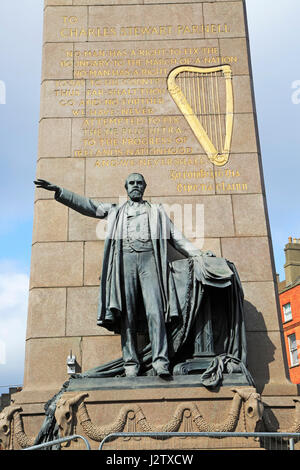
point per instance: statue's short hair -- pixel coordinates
(139, 174)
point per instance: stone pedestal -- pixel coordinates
(105, 112)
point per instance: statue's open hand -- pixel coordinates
(45, 185)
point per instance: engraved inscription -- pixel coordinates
(122, 113)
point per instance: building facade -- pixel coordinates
(289, 298)
(6, 398)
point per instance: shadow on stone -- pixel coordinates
(261, 350)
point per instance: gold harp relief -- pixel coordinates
(197, 92)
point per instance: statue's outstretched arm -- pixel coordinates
(81, 204)
(40, 183)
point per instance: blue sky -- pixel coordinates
(274, 39)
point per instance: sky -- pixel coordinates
(274, 40)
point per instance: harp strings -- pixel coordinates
(202, 91)
(219, 110)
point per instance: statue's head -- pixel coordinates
(135, 186)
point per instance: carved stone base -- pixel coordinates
(96, 413)
(96, 409)
(170, 409)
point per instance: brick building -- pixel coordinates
(5, 398)
(289, 298)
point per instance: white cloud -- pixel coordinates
(14, 287)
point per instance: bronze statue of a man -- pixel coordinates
(135, 268)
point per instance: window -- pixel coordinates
(287, 312)
(293, 350)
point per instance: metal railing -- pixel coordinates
(290, 438)
(60, 441)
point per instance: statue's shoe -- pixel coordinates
(131, 371)
(163, 372)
